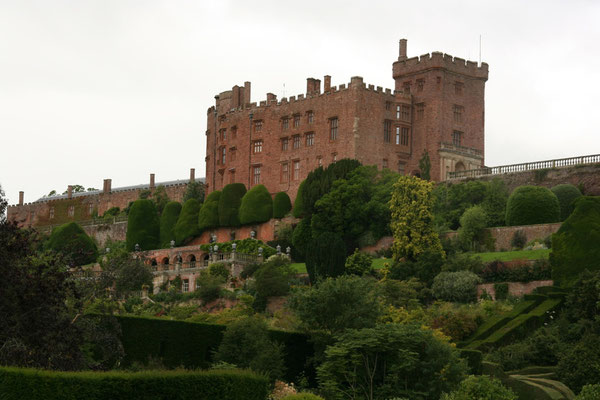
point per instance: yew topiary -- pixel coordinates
(566, 194)
(281, 205)
(529, 205)
(325, 257)
(72, 241)
(187, 223)
(143, 226)
(168, 220)
(229, 204)
(209, 213)
(257, 206)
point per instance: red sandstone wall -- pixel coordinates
(517, 289)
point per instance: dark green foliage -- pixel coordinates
(589, 392)
(219, 269)
(575, 245)
(451, 201)
(256, 206)
(529, 205)
(187, 223)
(427, 266)
(425, 166)
(473, 359)
(273, 278)
(390, 360)
(472, 225)
(325, 257)
(125, 273)
(359, 263)
(111, 213)
(517, 271)
(519, 240)
(246, 344)
(479, 388)
(298, 210)
(302, 237)
(580, 365)
(566, 195)
(194, 190)
(209, 287)
(209, 213)
(501, 290)
(285, 243)
(160, 198)
(281, 205)
(456, 286)
(210, 385)
(583, 301)
(229, 204)
(494, 202)
(168, 220)
(143, 226)
(539, 348)
(75, 245)
(245, 246)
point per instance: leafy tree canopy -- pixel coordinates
(194, 190)
(325, 257)
(425, 166)
(72, 241)
(566, 195)
(480, 388)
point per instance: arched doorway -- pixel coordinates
(459, 166)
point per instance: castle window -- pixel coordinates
(397, 135)
(334, 156)
(420, 111)
(223, 152)
(296, 170)
(296, 143)
(387, 131)
(285, 123)
(71, 211)
(420, 85)
(333, 128)
(51, 212)
(285, 172)
(90, 209)
(310, 139)
(405, 113)
(401, 166)
(223, 133)
(458, 113)
(457, 138)
(310, 116)
(388, 105)
(258, 126)
(319, 161)
(458, 87)
(404, 136)
(256, 175)
(185, 286)
(385, 163)
(398, 112)
(232, 154)
(296, 121)
(233, 132)
(258, 145)
(284, 144)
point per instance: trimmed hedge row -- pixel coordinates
(71, 240)
(529, 205)
(143, 226)
(21, 383)
(256, 206)
(168, 220)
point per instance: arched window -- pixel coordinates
(192, 261)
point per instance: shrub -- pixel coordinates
(456, 286)
(307, 396)
(457, 324)
(515, 271)
(168, 220)
(518, 240)
(209, 213)
(501, 290)
(229, 204)
(194, 190)
(359, 263)
(208, 287)
(325, 257)
(72, 241)
(575, 245)
(143, 226)
(256, 206)
(566, 195)
(532, 205)
(427, 266)
(580, 365)
(298, 210)
(281, 205)
(219, 269)
(187, 223)
(480, 387)
(302, 237)
(589, 392)
(472, 225)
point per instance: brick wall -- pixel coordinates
(517, 289)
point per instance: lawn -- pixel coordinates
(378, 263)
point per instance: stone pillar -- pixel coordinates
(21, 197)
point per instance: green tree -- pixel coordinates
(143, 226)
(168, 220)
(472, 225)
(494, 202)
(480, 388)
(246, 344)
(358, 263)
(209, 213)
(458, 286)
(272, 279)
(589, 392)
(566, 195)
(298, 210)
(334, 305)
(389, 361)
(302, 237)
(124, 271)
(580, 365)
(325, 257)
(72, 241)
(529, 205)
(452, 199)
(194, 190)
(425, 166)
(229, 204)
(76, 189)
(256, 206)
(575, 244)
(412, 219)
(187, 223)
(281, 205)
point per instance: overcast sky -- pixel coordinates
(119, 88)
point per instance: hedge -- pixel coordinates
(229, 204)
(298, 210)
(281, 205)
(187, 223)
(168, 219)
(21, 383)
(575, 245)
(143, 226)
(72, 241)
(192, 345)
(529, 205)
(256, 206)
(566, 195)
(209, 213)
(325, 257)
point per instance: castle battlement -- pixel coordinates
(437, 60)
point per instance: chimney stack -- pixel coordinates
(70, 192)
(151, 181)
(21, 197)
(107, 186)
(327, 83)
(402, 49)
(271, 97)
(192, 175)
(246, 93)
